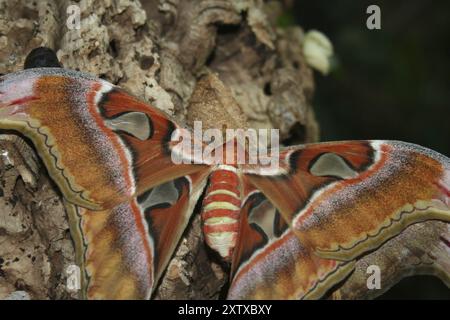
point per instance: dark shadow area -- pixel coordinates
(418, 287)
(391, 83)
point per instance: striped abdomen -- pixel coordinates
(221, 209)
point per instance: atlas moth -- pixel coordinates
(287, 234)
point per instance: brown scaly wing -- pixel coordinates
(100, 145)
(111, 155)
(123, 251)
(342, 199)
(270, 261)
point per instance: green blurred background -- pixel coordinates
(391, 83)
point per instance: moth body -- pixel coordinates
(221, 209)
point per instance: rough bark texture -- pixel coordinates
(161, 51)
(422, 248)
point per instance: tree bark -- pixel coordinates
(188, 58)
